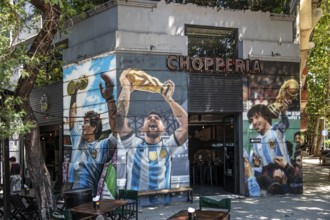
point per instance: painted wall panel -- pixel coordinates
(272, 155)
(87, 151)
(150, 146)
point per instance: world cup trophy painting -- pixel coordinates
(78, 84)
(288, 92)
(141, 81)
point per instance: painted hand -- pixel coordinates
(107, 92)
(247, 168)
(281, 161)
(168, 90)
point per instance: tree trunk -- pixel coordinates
(37, 168)
(35, 161)
(315, 135)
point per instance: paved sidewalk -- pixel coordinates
(313, 204)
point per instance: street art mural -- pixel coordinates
(124, 129)
(272, 154)
(148, 156)
(89, 92)
(152, 134)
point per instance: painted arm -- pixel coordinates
(123, 105)
(107, 94)
(180, 114)
(73, 110)
(252, 184)
(280, 130)
(285, 165)
(284, 122)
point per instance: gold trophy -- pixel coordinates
(74, 85)
(141, 81)
(288, 91)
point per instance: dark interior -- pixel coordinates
(212, 153)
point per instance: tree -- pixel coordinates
(30, 57)
(16, 54)
(318, 81)
(273, 6)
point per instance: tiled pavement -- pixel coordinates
(313, 204)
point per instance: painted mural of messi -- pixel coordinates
(272, 162)
(89, 105)
(145, 151)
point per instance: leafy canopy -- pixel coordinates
(318, 66)
(20, 21)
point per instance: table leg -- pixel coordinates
(194, 175)
(211, 170)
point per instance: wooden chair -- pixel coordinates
(64, 214)
(60, 214)
(213, 203)
(130, 210)
(19, 208)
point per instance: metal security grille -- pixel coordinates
(215, 93)
(54, 114)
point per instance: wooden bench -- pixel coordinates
(188, 190)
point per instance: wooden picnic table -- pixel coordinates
(107, 207)
(201, 215)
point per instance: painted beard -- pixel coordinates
(153, 131)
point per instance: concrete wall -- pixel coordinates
(137, 25)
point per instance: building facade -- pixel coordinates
(203, 97)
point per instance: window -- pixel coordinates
(211, 42)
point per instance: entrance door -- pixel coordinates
(230, 153)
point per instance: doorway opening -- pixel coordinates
(50, 145)
(213, 149)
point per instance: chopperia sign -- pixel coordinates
(212, 64)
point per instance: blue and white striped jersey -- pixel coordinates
(87, 160)
(272, 143)
(143, 166)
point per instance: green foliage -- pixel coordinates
(11, 123)
(273, 6)
(18, 20)
(318, 66)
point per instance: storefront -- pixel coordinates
(47, 106)
(181, 103)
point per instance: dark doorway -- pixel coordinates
(212, 153)
(50, 145)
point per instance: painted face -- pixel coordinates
(87, 129)
(297, 139)
(153, 126)
(298, 161)
(256, 160)
(259, 123)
